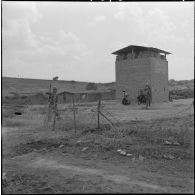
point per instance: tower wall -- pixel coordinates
(159, 80)
(132, 75)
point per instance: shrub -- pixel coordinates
(24, 97)
(91, 86)
(182, 94)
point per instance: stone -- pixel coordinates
(84, 149)
(61, 146)
(176, 143)
(167, 143)
(129, 154)
(141, 157)
(4, 177)
(123, 152)
(169, 157)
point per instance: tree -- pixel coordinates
(91, 86)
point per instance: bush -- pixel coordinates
(182, 94)
(24, 97)
(91, 86)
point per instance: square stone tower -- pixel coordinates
(137, 65)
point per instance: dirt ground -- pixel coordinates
(159, 140)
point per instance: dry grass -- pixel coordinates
(138, 137)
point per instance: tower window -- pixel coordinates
(125, 56)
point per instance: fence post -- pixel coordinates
(99, 104)
(74, 114)
(54, 121)
(49, 108)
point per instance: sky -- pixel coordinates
(74, 40)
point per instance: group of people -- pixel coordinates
(145, 96)
(125, 100)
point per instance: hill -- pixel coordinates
(13, 86)
(33, 86)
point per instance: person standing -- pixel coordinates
(53, 100)
(148, 94)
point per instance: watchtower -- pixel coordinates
(137, 65)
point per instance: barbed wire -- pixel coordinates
(136, 119)
(114, 118)
(108, 118)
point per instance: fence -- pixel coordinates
(83, 116)
(90, 116)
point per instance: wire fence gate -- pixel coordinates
(79, 116)
(94, 116)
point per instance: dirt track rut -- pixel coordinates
(118, 179)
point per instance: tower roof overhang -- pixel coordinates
(138, 48)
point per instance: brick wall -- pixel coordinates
(132, 75)
(159, 80)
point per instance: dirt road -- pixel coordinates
(95, 176)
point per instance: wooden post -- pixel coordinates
(98, 109)
(54, 121)
(50, 87)
(49, 109)
(74, 114)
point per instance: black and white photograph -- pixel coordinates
(97, 97)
